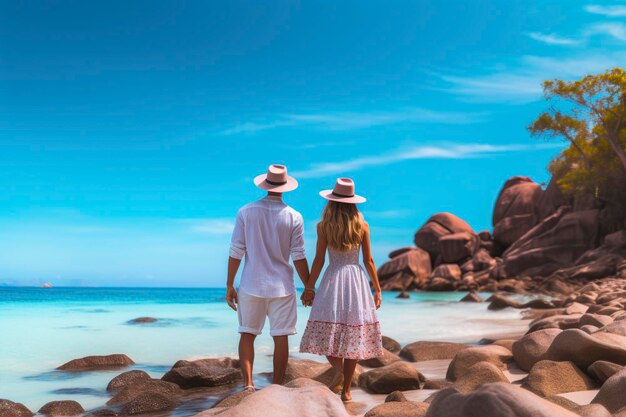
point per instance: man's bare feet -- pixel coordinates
(336, 384)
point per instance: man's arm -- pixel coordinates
(302, 268)
(231, 294)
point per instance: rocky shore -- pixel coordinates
(571, 362)
(541, 243)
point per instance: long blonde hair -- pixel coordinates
(342, 224)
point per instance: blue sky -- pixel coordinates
(130, 131)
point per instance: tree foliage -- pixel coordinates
(590, 114)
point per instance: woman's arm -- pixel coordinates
(370, 266)
(318, 264)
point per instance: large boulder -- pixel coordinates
(96, 363)
(428, 351)
(494, 400)
(306, 400)
(438, 225)
(399, 376)
(551, 199)
(387, 358)
(153, 386)
(126, 378)
(584, 349)
(203, 373)
(148, 402)
(317, 371)
(409, 269)
(549, 378)
(554, 243)
(515, 211)
(456, 247)
(465, 359)
(62, 408)
(603, 370)
(479, 374)
(398, 409)
(531, 348)
(611, 395)
(12, 409)
(391, 345)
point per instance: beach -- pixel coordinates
(48, 327)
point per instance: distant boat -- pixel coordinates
(47, 285)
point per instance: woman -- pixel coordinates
(343, 325)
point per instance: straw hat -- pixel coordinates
(343, 192)
(276, 180)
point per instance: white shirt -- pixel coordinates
(267, 232)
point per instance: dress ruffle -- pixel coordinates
(340, 340)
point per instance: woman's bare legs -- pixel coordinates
(336, 384)
(349, 365)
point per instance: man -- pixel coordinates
(267, 232)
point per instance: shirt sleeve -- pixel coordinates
(297, 240)
(238, 240)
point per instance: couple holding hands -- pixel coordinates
(343, 325)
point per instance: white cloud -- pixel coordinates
(610, 11)
(443, 151)
(615, 30)
(552, 39)
(212, 226)
(358, 120)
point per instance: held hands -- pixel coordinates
(378, 299)
(307, 297)
(231, 297)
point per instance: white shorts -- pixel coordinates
(280, 310)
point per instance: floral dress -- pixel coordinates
(343, 321)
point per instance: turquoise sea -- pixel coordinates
(42, 328)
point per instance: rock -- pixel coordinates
(62, 408)
(584, 349)
(438, 225)
(96, 363)
(554, 243)
(403, 295)
(603, 370)
(192, 377)
(427, 351)
(154, 386)
(396, 396)
(440, 284)
(310, 400)
(505, 343)
(401, 251)
(449, 272)
(539, 304)
(611, 395)
(531, 348)
(466, 358)
(499, 302)
(148, 402)
(387, 359)
(551, 199)
(398, 409)
(515, 211)
(102, 412)
(555, 322)
(320, 372)
(437, 384)
(576, 308)
(597, 320)
(142, 320)
(616, 327)
(391, 345)
(549, 378)
(405, 271)
(123, 379)
(494, 400)
(457, 246)
(399, 376)
(225, 362)
(592, 410)
(12, 409)
(478, 374)
(472, 297)
(233, 399)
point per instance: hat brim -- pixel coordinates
(290, 185)
(356, 199)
